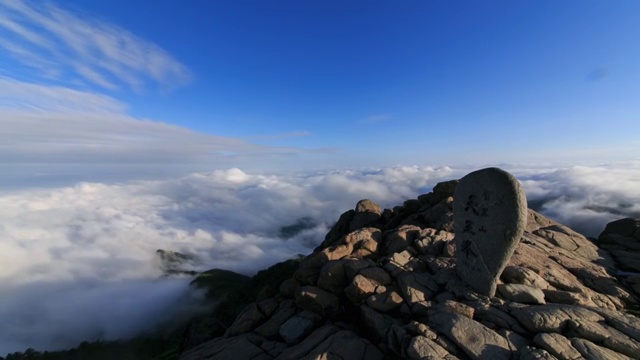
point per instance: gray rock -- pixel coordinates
(397, 340)
(376, 323)
(353, 266)
(416, 287)
(359, 289)
(456, 307)
(591, 351)
(384, 302)
(566, 297)
(296, 328)
(626, 323)
(378, 275)
(417, 328)
(558, 345)
(496, 316)
(367, 213)
(490, 215)
(248, 319)
(477, 341)
(524, 276)
(402, 262)
(551, 317)
(237, 347)
(270, 327)
(625, 227)
(533, 353)
(332, 276)
(340, 229)
(314, 299)
(345, 345)
(309, 343)
(516, 341)
(421, 348)
(521, 293)
(399, 239)
(605, 335)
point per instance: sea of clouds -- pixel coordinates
(79, 262)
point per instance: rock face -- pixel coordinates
(490, 215)
(391, 289)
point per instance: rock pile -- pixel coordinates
(387, 284)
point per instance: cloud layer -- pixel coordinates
(65, 45)
(67, 252)
(77, 247)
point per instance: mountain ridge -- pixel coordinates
(383, 285)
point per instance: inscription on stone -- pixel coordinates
(490, 214)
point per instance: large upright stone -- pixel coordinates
(490, 215)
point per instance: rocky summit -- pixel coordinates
(391, 284)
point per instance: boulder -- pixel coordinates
(477, 341)
(490, 216)
(367, 213)
(521, 293)
(314, 299)
(421, 348)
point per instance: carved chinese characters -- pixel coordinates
(490, 215)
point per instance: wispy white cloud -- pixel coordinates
(49, 124)
(78, 45)
(19, 96)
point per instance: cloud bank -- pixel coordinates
(89, 250)
(79, 262)
(61, 44)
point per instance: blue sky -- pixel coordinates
(296, 84)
